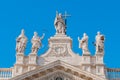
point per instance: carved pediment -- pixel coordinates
(60, 69)
(57, 75)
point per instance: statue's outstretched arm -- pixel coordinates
(79, 42)
(42, 36)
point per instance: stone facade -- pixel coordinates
(59, 62)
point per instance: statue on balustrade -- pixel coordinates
(83, 43)
(36, 42)
(21, 42)
(99, 42)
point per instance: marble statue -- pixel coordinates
(99, 42)
(21, 42)
(83, 43)
(59, 24)
(36, 42)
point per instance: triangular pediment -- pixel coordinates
(60, 69)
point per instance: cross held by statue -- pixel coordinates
(65, 15)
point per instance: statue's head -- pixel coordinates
(84, 34)
(98, 33)
(35, 33)
(22, 33)
(60, 15)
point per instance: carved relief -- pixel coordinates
(57, 76)
(59, 50)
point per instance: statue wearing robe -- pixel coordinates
(21, 43)
(36, 42)
(99, 42)
(83, 43)
(60, 24)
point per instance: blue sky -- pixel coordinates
(87, 16)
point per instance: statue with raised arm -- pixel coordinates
(21, 42)
(60, 24)
(36, 42)
(83, 43)
(99, 42)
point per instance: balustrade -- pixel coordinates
(113, 74)
(5, 73)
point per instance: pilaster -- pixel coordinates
(86, 62)
(32, 64)
(19, 65)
